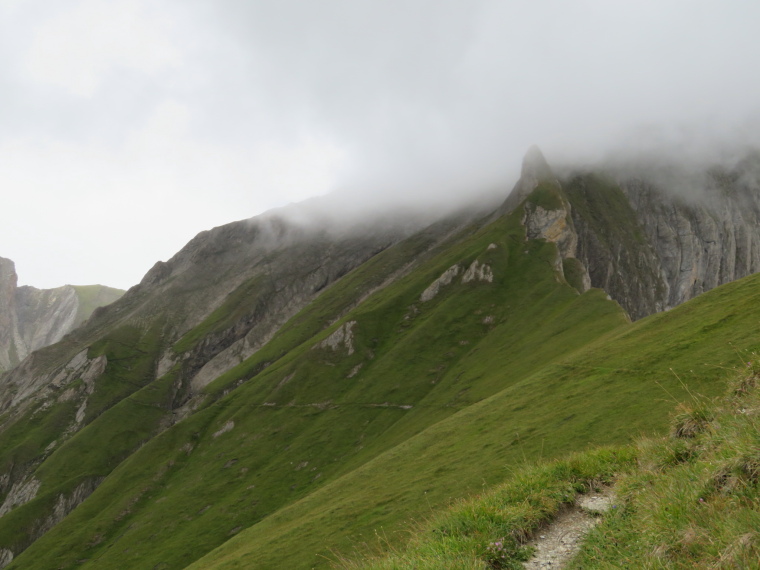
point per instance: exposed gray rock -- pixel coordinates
(65, 504)
(701, 244)
(10, 340)
(652, 241)
(681, 247)
(21, 493)
(445, 278)
(32, 318)
(229, 426)
(342, 336)
(552, 225)
(478, 272)
(6, 557)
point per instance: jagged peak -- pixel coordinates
(535, 167)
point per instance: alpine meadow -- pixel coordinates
(403, 391)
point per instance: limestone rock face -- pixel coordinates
(342, 337)
(650, 241)
(701, 244)
(685, 245)
(446, 277)
(478, 272)
(22, 492)
(550, 223)
(32, 318)
(44, 316)
(6, 557)
(9, 337)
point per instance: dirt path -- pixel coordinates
(562, 539)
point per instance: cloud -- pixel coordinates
(142, 123)
(79, 48)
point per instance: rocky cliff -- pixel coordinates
(650, 241)
(32, 318)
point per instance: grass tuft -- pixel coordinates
(691, 420)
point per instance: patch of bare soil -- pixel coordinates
(560, 541)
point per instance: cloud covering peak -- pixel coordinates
(129, 126)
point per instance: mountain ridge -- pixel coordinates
(32, 318)
(260, 338)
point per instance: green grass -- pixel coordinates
(694, 500)
(618, 387)
(126, 409)
(547, 195)
(491, 529)
(687, 500)
(304, 409)
(574, 272)
(325, 448)
(122, 413)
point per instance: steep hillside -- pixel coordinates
(138, 366)
(33, 318)
(279, 389)
(652, 240)
(404, 360)
(620, 386)
(686, 500)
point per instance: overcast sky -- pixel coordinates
(128, 126)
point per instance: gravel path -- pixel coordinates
(562, 539)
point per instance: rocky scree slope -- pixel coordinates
(32, 318)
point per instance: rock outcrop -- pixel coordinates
(32, 318)
(650, 242)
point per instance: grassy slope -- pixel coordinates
(491, 529)
(288, 441)
(687, 500)
(308, 442)
(694, 499)
(620, 386)
(126, 408)
(95, 450)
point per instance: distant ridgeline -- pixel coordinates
(279, 392)
(32, 318)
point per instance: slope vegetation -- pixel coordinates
(276, 395)
(686, 500)
(390, 368)
(620, 386)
